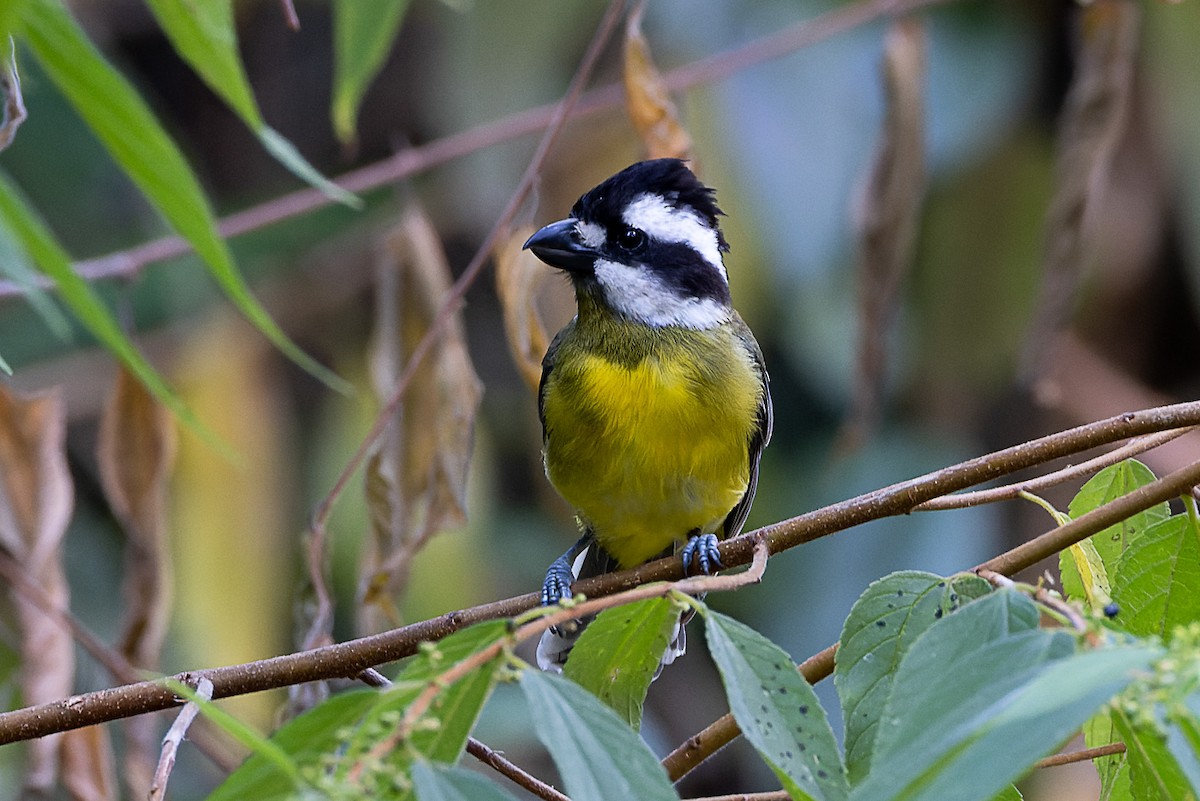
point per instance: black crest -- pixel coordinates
(669, 178)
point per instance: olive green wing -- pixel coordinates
(758, 440)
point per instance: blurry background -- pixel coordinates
(788, 144)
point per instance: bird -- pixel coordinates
(654, 399)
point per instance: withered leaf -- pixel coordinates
(890, 211)
(647, 101)
(135, 452)
(1093, 120)
(519, 275)
(36, 499)
(416, 476)
(87, 764)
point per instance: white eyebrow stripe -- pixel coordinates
(639, 293)
(652, 214)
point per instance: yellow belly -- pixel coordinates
(650, 452)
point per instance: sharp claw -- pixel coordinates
(702, 549)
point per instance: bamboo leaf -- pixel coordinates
(363, 33)
(203, 33)
(79, 297)
(134, 138)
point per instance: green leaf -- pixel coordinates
(134, 138)
(1009, 793)
(598, 756)
(203, 33)
(885, 620)
(1157, 579)
(15, 265)
(35, 239)
(306, 739)
(1084, 576)
(981, 696)
(1109, 484)
(329, 740)
(777, 710)
(1113, 770)
(440, 783)
(363, 33)
(1153, 770)
(616, 656)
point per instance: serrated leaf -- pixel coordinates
(1109, 484)
(981, 696)
(617, 654)
(81, 299)
(598, 756)
(363, 33)
(1154, 772)
(349, 724)
(777, 710)
(1157, 579)
(1113, 770)
(132, 135)
(434, 782)
(885, 620)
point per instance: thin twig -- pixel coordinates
(174, 736)
(512, 771)
(436, 686)
(1008, 492)
(412, 161)
(770, 795)
(346, 659)
(454, 296)
(1082, 755)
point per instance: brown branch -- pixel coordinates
(347, 659)
(1081, 755)
(415, 160)
(512, 771)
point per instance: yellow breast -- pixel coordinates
(652, 450)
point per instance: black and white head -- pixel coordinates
(647, 245)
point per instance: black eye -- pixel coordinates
(631, 239)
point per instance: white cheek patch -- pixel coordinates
(640, 295)
(591, 234)
(660, 221)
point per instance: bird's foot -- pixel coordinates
(702, 550)
(557, 585)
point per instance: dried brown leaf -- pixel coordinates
(14, 103)
(87, 764)
(36, 498)
(890, 212)
(416, 476)
(136, 451)
(519, 275)
(647, 101)
(1093, 120)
